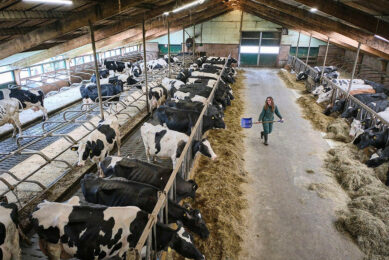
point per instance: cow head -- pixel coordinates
(204, 147)
(194, 221)
(356, 128)
(351, 111)
(194, 185)
(218, 122)
(83, 151)
(371, 137)
(338, 105)
(324, 97)
(182, 243)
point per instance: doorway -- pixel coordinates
(259, 48)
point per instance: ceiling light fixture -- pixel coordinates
(179, 9)
(62, 2)
(313, 10)
(381, 38)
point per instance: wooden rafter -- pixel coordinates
(327, 24)
(106, 32)
(27, 15)
(269, 13)
(350, 15)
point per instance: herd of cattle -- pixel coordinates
(365, 131)
(121, 196)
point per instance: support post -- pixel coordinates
(168, 47)
(309, 50)
(240, 37)
(325, 59)
(194, 41)
(92, 35)
(183, 46)
(145, 65)
(297, 49)
(354, 67)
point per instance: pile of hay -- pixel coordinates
(339, 130)
(220, 197)
(290, 80)
(314, 113)
(367, 217)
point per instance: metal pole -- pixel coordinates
(309, 49)
(240, 37)
(297, 49)
(325, 58)
(168, 46)
(183, 46)
(194, 41)
(92, 35)
(355, 66)
(145, 65)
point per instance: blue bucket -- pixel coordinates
(246, 122)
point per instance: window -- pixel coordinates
(269, 49)
(88, 58)
(249, 49)
(72, 62)
(6, 77)
(79, 60)
(25, 73)
(48, 67)
(59, 65)
(107, 54)
(117, 51)
(36, 70)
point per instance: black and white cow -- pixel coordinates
(68, 230)
(122, 192)
(302, 75)
(99, 143)
(114, 65)
(377, 102)
(162, 142)
(373, 137)
(172, 85)
(28, 99)
(89, 92)
(157, 96)
(172, 58)
(379, 158)
(9, 114)
(183, 75)
(183, 120)
(144, 172)
(9, 234)
(213, 110)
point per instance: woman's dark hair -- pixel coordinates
(273, 107)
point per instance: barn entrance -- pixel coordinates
(259, 48)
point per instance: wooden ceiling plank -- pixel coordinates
(101, 34)
(351, 15)
(327, 24)
(27, 15)
(263, 11)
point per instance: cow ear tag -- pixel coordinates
(73, 148)
(90, 152)
(359, 109)
(375, 137)
(185, 215)
(213, 117)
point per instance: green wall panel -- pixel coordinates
(303, 51)
(173, 48)
(248, 59)
(268, 60)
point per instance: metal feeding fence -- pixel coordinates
(183, 168)
(363, 112)
(55, 129)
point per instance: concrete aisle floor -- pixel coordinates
(285, 220)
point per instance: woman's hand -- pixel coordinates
(282, 120)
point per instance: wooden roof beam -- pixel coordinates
(28, 15)
(327, 24)
(16, 30)
(350, 15)
(101, 11)
(100, 34)
(301, 23)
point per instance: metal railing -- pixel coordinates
(338, 92)
(183, 167)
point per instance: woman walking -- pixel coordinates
(267, 116)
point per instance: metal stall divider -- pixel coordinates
(183, 167)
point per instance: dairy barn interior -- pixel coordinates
(194, 129)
